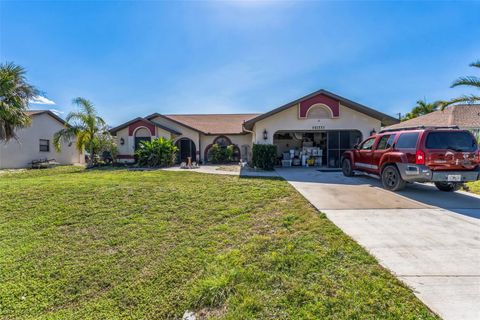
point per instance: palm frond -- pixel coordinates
(83, 140)
(66, 134)
(467, 81)
(85, 105)
(100, 121)
(76, 116)
(475, 64)
(15, 93)
(468, 99)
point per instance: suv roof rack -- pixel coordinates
(419, 128)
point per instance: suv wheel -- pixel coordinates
(347, 168)
(391, 178)
(448, 186)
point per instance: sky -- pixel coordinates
(134, 58)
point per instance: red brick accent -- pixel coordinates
(333, 104)
(141, 123)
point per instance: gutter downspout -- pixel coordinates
(249, 131)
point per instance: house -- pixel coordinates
(35, 142)
(465, 116)
(321, 120)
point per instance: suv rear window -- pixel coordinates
(407, 141)
(459, 141)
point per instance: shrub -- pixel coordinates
(156, 153)
(264, 156)
(220, 154)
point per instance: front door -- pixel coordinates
(186, 149)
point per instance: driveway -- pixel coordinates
(428, 239)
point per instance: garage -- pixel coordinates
(319, 148)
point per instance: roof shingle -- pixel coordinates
(464, 116)
(214, 123)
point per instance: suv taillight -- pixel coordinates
(420, 157)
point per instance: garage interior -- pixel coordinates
(322, 149)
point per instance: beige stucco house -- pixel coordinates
(36, 142)
(321, 120)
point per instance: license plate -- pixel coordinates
(454, 177)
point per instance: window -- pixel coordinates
(44, 145)
(367, 144)
(460, 141)
(318, 112)
(407, 140)
(222, 141)
(385, 142)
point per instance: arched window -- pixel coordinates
(142, 134)
(319, 112)
(222, 141)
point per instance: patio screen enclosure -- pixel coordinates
(332, 144)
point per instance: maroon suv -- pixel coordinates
(447, 157)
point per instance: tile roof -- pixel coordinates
(464, 116)
(214, 123)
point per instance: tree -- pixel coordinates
(85, 126)
(15, 93)
(422, 108)
(469, 81)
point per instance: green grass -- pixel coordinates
(474, 186)
(78, 244)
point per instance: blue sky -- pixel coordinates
(135, 58)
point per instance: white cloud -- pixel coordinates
(41, 100)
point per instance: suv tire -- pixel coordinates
(347, 168)
(391, 178)
(448, 186)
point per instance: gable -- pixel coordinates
(331, 101)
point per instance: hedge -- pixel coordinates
(264, 156)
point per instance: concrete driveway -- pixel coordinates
(427, 238)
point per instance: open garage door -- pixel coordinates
(314, 148)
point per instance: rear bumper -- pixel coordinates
(420, 173)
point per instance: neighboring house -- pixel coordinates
(35, 142)
(320, 120)
(465, 116)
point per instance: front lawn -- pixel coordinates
(78, 244)
(474, 187)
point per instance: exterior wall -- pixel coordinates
(20, 153)
(241, 140)
(128, 145)
(186, 133)
(288, 120)
(127, 150)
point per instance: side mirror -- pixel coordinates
(356, 146)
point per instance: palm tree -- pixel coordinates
(422, 108)
(15, 92)
(85, 126)
(470, 81)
